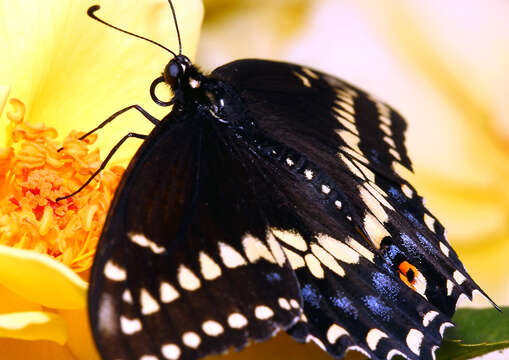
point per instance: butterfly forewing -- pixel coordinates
(311, 109)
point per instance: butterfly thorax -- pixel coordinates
(194, 91)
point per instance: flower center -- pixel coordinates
(33, 173)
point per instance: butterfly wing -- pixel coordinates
(351, 144)
(221, 232)
(318, 106)
(185, 267)
(352, 297)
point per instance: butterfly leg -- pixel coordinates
(104, 163)
(152, 119)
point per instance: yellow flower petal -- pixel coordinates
(41, 279)
(73, 72)
(10, 302)
(471, 212)
(4, 94)
(34, 325)
(267, 27)
(488, 262)
(12, 349)
(282, 346)
(80, 340)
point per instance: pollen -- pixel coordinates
(408, 273)
(34, 173)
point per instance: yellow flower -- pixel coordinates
(69, 73)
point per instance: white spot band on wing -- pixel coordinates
(143, 241)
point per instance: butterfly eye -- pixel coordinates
(172, 73)
(173, 70)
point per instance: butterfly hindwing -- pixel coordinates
(351, 298)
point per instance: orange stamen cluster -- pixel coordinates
(33, 174)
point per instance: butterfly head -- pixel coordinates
(182, 77)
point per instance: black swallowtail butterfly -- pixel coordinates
(268, 199)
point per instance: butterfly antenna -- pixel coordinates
(91, 12)
(176, 26)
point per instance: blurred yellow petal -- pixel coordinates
(267, 27)
(73, 72)
(35, 325)
(41, 279)
(12, 349)
(4, 94)
(283, 346)
(10, 302)
(464, 174)
(471, 211)
(80, 340)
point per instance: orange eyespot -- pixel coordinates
(408, 273)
